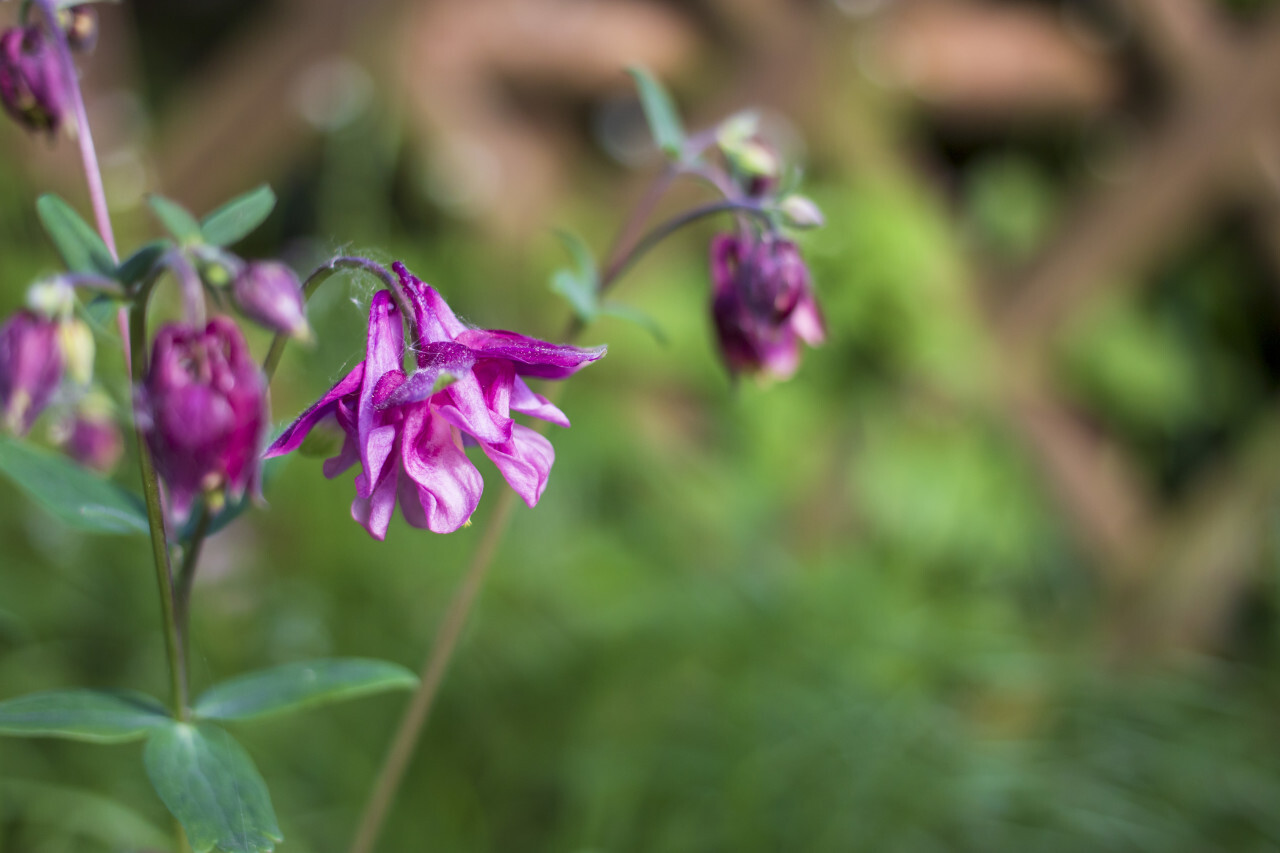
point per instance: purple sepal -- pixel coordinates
(33, 88)
(205, 412)
(762, 305)
(31, 366)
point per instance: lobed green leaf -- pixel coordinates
(236, 219)
(209, 783)
(660, 112)
(80, 247)
(294, 686)
(87, 715)
(74, 494)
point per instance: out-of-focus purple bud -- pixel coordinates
(800, 212)
(33, 88)
(92, 437)
(268, 292)
(80, 23)
(762, 305)
(205, 410)
(30, 368)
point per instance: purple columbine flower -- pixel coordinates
(204, 407)
(30, 368)
(33, 88)
(762, 305)
(408, 436)
(268, 292)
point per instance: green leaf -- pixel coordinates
(636, 316)
(236, 219)
(660, 112)
(209, 783)
(71, 813)
(81, 248)
(294, 686)
(79, 497)
(135, 267)
(88, 715)
(176, 219)
(580, 288)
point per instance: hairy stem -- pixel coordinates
(319, 277)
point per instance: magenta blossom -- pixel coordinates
(762, 305)
(33, 88)
(268, 293)
(204, 408)
(31, 366)
(408, 436)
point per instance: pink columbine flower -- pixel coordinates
(408, 437)
(31, 366)
(33, 88)
(762, 305)
(204, 410)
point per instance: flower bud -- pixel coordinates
(268, 293)
(204, 413)
(75, 338)
(80, 23)
(750, 157)
(762, 305)
(91, 436)
(33, 88)
(52, 297)
(30, 368)
(800, 212)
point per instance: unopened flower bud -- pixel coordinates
(205, 413)
(268, 292)
(53, 298)
(30, 369)
(33, 88)
(76, 341)
(80, 23)
(800, 212)
(762, 305)
(91, 436)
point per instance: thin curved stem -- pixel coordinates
(319, 277)
(187, 576)
(432, 674)
(661, 232)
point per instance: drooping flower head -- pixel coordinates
(31, 365)
(408, 435)
(204, 408)
(33, 88)
(762, 304)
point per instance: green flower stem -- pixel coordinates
(432, 674)
(187, 575)
(416, 715)
(155, 515)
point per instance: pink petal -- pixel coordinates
(293, 436)
(525, 461)
(526, 402)
(448, 486)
